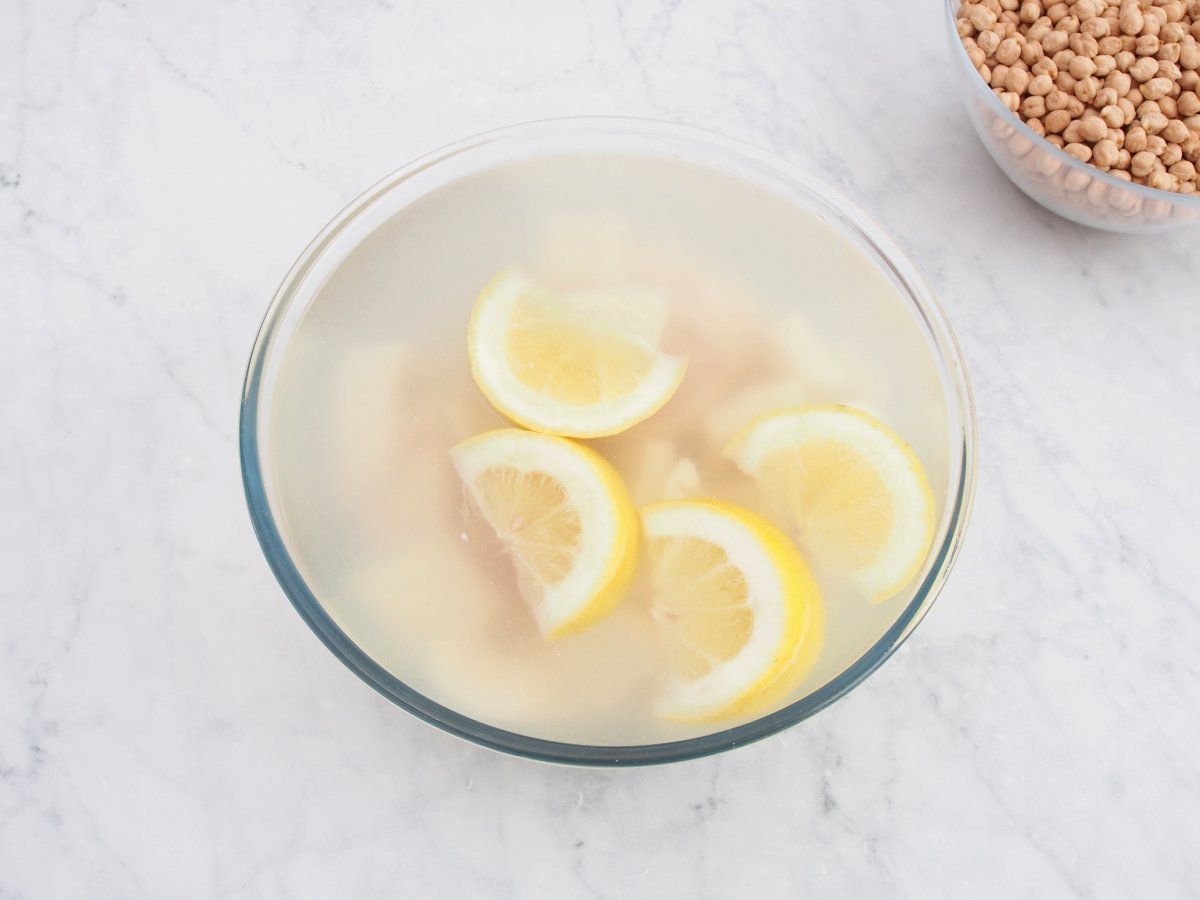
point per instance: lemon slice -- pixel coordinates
(564, 517)
(739, 609)
(584, 364)
(856, 492)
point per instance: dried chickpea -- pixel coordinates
(1188, 103)
(1076, 180)
(1109, 46)
(1045, 66)
(1128, 110)
(1057, 120)
(1081, 152)
(1097, 193)
(1008, 51)
(1169, 52)
(1019, 145)
(1112, 116)
(1054, 42)
(1143, 163)
(1171, 154)
(1029, 12)
(1144, 69)
(1083, 45)
(1173, 33)
(1164, 181)
(1168, 107)
(1105, 65)
(1081, 67)
(1075, 106)
(1040, 86)
(1168, 69)
(988, 42)
(1087, 88)
(1183, 170)
(1033, 107)
(1154, 122)
(981, 17)
(1105, 153)
(1036, 126)
(1147, 45)
(1189, 57)
(1016, 81)
(1175, 132)
(1095, 27)
(1119, 82)
(1093, 130)
(1135, 139)
(1106, 96)
(1057, 100)
(1130, 21)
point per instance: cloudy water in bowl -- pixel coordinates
(773, 307)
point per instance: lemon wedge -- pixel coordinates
(582, 364)
(740, 612)
(562, 514)
(856, 492)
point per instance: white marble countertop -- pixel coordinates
(170, 728)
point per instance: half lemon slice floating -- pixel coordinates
(564, 517)
(856, 492)
(732, 595)
(583, 364)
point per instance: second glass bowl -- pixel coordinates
(1058, 181)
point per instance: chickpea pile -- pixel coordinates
(1114, 83)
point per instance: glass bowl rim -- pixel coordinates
(849, 217)
(998, 108)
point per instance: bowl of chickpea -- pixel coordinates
(1092, 108)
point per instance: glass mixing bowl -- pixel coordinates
(415, 181)
(1055, 179)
